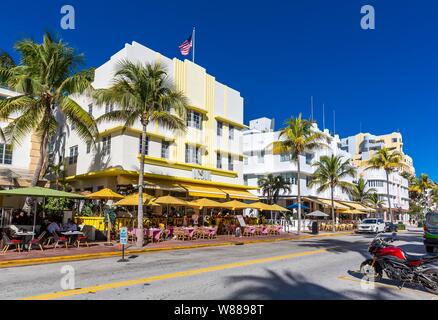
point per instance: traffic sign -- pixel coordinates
(124, 235)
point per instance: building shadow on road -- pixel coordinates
(287, 286)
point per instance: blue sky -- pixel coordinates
(278, 54)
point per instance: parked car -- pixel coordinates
(390, 227)
(371, 225)
(431, 231)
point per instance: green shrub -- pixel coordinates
(401, 226)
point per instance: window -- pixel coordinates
(194, 119)
(146, 147)
(261, 156)
(165, 149)
(88, 147)
(309, 158)
(5, 153)
(219, 128)
(106, 145)
(109, 108)
(308, 179)
(245, 161)
(290, 178)
(230, 163)
(285, 157)
(231, 132)
(73, 155)
(394, 139)
(193, 154)
(90, 109)
(218, 160)
(375, 183)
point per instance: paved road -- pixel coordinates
(321, 268)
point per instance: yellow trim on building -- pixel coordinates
(114, 172)
(196, 190)
(239, 194)
(187, 166)
(119, 130)
(233, 123)
(198, 109)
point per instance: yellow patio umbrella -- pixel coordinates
(261, 206)
(104, 194)
(169, 200)
(132, 200)
(235, 205)
(206, 203)
(276, 207)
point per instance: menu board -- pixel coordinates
(241, 221)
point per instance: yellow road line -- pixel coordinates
(394, 287)
(187, 273)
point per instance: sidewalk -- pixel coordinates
(100, 250)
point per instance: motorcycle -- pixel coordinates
(399, 265)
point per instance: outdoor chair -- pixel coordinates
(189, 235)
(8, 242)
(60, 240)
(213, 234)
(82, 239)
(132, 234)
(265, 231)
(246, 232)
(38, 241)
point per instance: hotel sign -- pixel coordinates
(200, 174)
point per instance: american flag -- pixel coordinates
(186, 46)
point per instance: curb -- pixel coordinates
(101, 255)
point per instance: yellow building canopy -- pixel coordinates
(204, 191)
(239, 194)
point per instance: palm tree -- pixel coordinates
(375, 201)
(271, 186)
(423, 187)
(330, 170)
(45, 80)
(360, 192)
(299, 137)
(143, 93)
(388, 161)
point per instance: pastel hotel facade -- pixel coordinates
(263, 157)
(206, 160)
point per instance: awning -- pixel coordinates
(204, 191)
(163, 185)
(358, 206)
(327, 202)
(239, 194)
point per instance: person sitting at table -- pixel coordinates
(53, 227)
(71, 226)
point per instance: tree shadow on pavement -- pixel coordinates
(288, 286)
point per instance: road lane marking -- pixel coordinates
(180, 274)
(394, 287)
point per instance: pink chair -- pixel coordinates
(213, 233)
(265, 231)
(252, 231)
(156, 236)
(189, 234)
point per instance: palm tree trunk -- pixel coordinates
(299, 194)
(333, 209)
(388, 197)
(41, 160)
(140, 232)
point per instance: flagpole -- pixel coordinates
(193, 39)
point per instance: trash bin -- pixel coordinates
(315, 229)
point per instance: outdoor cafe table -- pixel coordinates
(71, 234)
(25, 236)
(151, 232)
